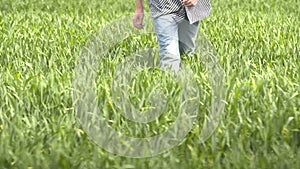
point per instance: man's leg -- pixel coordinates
(166, 30)
(187, 36)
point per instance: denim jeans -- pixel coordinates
(175, 39)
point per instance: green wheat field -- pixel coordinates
(258, 45)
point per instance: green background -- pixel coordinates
(258, 42)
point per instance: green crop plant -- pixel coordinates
(258, 44)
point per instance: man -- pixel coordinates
(176, 26)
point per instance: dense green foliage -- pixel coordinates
(258, 43)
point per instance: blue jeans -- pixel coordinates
(175, 39)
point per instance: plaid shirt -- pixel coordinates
(178, 10)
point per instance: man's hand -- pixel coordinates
(138, 19)
(190, 3)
